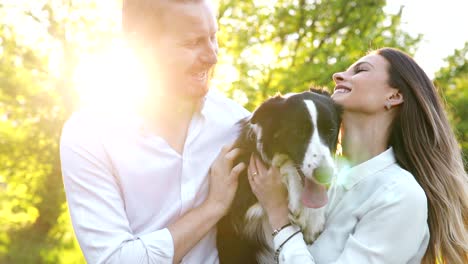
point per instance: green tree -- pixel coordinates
(288, 45)
(452, 81)
(31, 119)
(36, 97)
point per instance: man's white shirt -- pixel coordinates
(125, 185)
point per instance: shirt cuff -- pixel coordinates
(295, 249)
(284, 234)
(160, 244)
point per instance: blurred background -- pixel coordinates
(58, 55)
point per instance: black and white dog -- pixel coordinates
(297, 133)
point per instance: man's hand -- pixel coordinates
(224, 178)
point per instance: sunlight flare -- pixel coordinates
(110, 80)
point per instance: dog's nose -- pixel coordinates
(324, 174)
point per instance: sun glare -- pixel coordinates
(110, 80)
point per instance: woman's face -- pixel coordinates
(364, 86)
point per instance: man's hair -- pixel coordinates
(139, 16)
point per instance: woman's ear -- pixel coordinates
(396, 98)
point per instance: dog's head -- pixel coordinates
(303, 126)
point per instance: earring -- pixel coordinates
(388, 106)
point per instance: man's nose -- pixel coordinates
(209, 55)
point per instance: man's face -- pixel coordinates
(186, 49)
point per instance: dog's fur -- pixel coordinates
(297, 133)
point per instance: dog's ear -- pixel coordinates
(321, 91)
(339, 109)
(339, 116)
(268, 110)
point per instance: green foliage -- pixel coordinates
(31, 118)
(452, 82)
(29, 128)
(287, 46)
(35, 100)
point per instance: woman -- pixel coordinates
(402, 196)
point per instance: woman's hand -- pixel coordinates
(270, 191)
(224, 178)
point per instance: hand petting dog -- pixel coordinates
(270, 191)
(222, 187)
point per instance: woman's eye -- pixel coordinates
(358, 70)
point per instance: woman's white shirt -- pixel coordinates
(377, 213)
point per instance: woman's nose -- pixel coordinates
(337, 77)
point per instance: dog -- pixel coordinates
(298, 133)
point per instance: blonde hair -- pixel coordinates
(140, 16)
(425, 145)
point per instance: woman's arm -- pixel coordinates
(392, 227)
(272, 195)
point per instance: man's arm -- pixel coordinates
(98, 211)
(188, 230)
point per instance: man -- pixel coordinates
(140, 189)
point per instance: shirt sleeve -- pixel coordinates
(391, 230)
(95, 203)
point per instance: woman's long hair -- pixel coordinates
(425, 145)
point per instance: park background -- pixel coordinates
(56, 55)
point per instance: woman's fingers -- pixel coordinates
(252, 173)
(252, 165)
(260, 166)
(252, 170)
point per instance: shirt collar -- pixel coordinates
(200, 111)
(350, 176)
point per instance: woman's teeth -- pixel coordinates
(342, 90)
